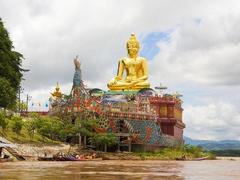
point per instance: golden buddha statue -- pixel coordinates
(57, 93)
(135, 67)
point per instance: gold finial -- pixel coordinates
(57, 93)
(57, 87)
(133, 41)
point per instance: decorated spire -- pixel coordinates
(57, 92)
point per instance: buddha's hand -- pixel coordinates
(117, 78)
(114, 80)
(128, 80)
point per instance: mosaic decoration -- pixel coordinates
(139, 114)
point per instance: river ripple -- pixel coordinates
(121, 170)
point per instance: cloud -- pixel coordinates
(204, 53)
(213, 121)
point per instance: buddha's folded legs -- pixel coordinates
(128, 86)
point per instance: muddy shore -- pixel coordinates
(31, 152)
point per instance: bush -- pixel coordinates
(104, 140)
(50, 127)
(3, 121)
(17, 124)
(32, 124)
(197, 151)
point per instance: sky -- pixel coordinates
(192, 47)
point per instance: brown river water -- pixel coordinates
(122, 170)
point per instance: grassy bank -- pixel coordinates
(24, 137)
(24, 130)
(187, 152)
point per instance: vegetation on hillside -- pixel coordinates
(227, 152)
(52, 129)
(37, 129)
(22, 130)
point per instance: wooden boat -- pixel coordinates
(6, 160)
(66, 158)
(194, 159)
(45, 159)
(72, 158)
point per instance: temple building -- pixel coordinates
(141, 118)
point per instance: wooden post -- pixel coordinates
(1, 151)
(144, 147)
(118, 143)
(130, 145)
(105, 147)
(85, 141)
(79, 140)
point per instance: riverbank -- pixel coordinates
(31, 152)
(228, 158)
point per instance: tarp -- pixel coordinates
(7, 145)
(114, 98)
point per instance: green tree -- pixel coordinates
(3, 121)
(10, 70)
(32, 124)
(105, 140)
(17, 125)
(21, 105)
(7, 93)
(50, 127)
(56, 126)
(85, 128)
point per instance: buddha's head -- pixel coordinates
(133, 46)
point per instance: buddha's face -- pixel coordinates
(132, 49)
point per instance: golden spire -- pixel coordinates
(133, 41)
(57, 87)
(57, 93)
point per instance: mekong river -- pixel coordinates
(121, 170)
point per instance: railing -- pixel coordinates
(125, 115)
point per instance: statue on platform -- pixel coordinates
(78, 74)
(135, 67)
(77, 63)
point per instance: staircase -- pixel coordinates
(15, 153)
(9, 147)
(129, 127)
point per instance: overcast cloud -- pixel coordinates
(197, 54)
